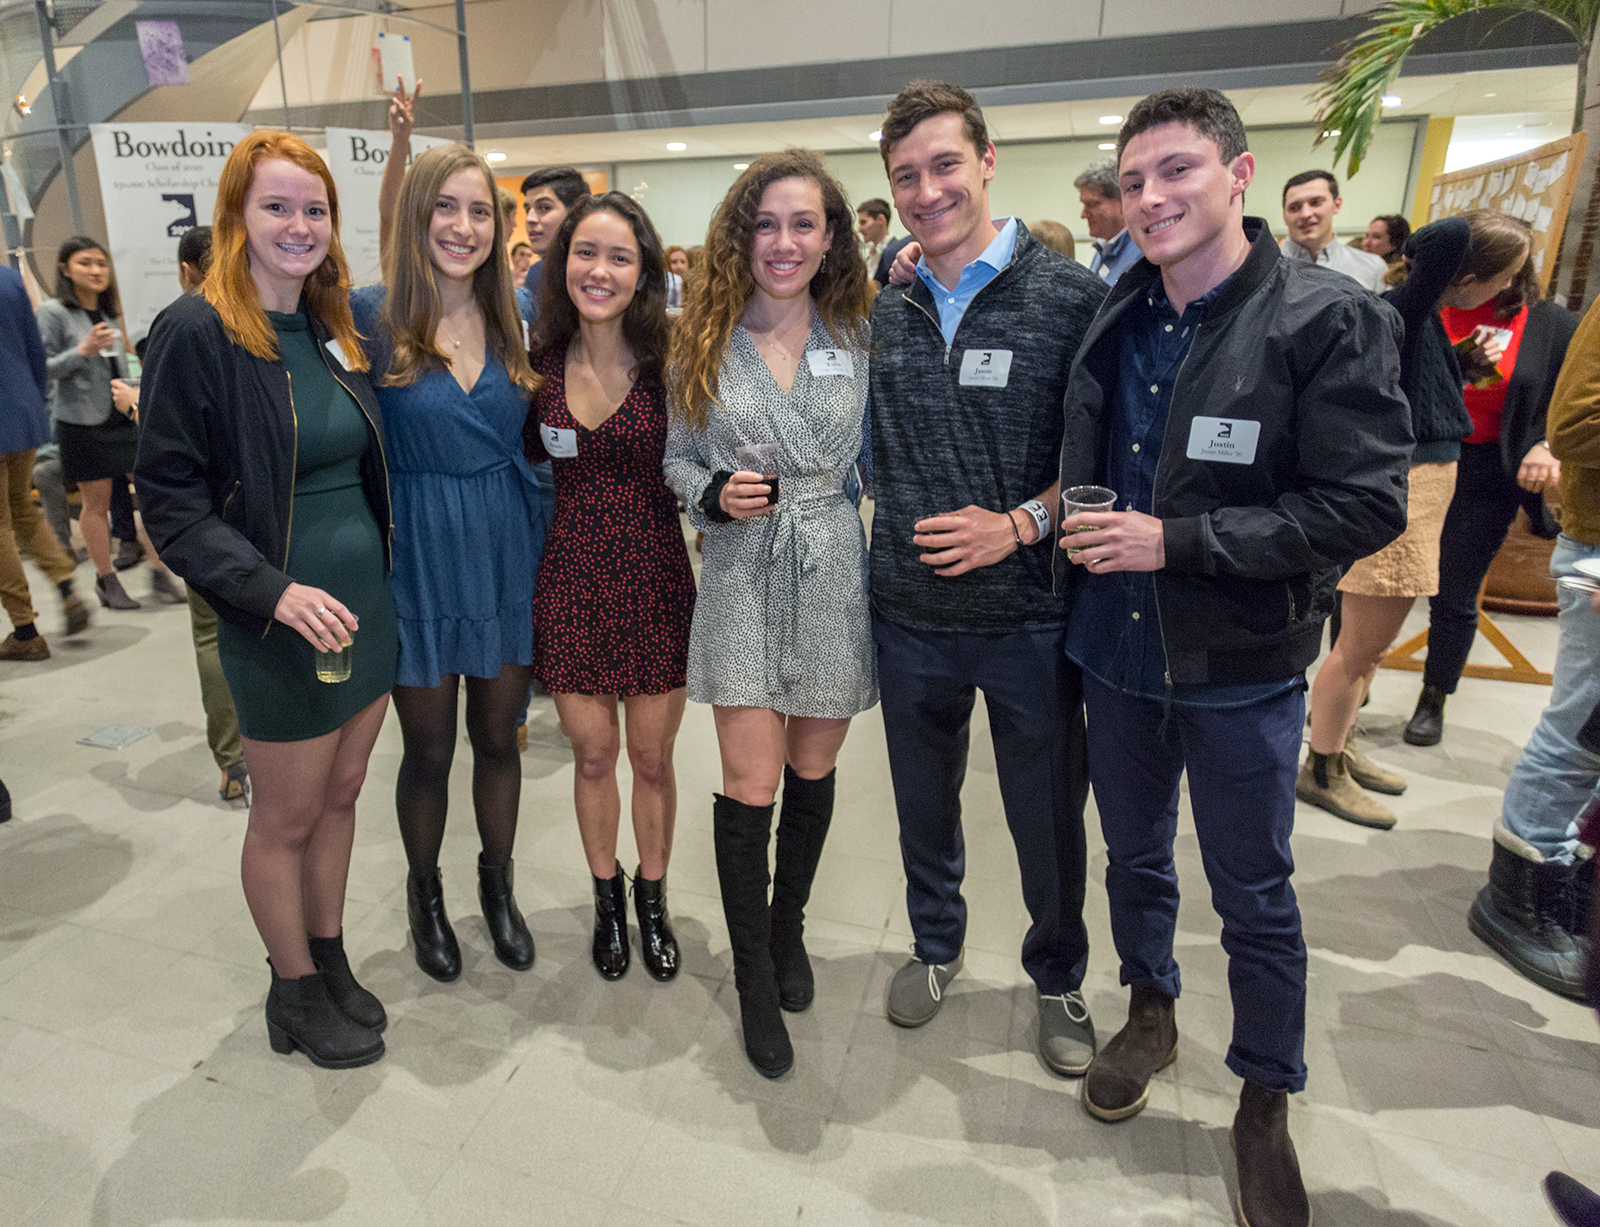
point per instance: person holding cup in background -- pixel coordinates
(769, 391)
(94, 409)
(262, 477)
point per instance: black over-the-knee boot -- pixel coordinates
(741, 834)
(802, 828)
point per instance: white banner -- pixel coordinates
(157, 181)
(356, 157)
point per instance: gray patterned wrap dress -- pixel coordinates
(782, 619)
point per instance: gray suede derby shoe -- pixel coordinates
(1066, 1033)
(917, 991)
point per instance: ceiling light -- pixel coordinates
(1391, 100)
(1111, 119)
(496, 156)
(875, 135)
(1108, 144)
(741, 166)
(1489, 95)
(676, 146)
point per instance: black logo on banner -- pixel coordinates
(179, 226)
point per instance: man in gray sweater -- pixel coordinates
(969, 367)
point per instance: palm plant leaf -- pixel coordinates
(1350, 99)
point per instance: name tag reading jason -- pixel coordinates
(561, 444)
(985, 368)
(830, 362)
(1227, 440)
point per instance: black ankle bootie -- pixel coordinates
(301, 1014)
(431, 934)
(610, 948)
(1426, 726)
(657, 945)
(802, 828)
(741, 835)
(513, 944)
(357, 1004)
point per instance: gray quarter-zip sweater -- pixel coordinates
(942, 439)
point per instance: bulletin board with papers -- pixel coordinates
(1535, 186)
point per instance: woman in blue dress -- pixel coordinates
(450, 368)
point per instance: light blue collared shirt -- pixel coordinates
(953, 304)
(1113, 255)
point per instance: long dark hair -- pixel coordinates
(644, 320)
(109, 302)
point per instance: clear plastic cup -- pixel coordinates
(760, 458)
(334, 666)
(1085, 498)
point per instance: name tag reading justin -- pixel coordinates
(830, 362)
(985, 368)
(337, 351)
(561, 444)
(1227, 440)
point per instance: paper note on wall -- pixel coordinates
(1541, 220)
(1559, 166)
(1531, 175)
(1518, 204)
(394, 54)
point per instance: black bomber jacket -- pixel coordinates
(1254, 550)
(216, 465)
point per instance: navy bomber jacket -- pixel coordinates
(942, 440)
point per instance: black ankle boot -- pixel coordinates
(802, 828)
(1271, 1191)
(657, 945)
(357, 1004)
(1526, 914)
(1426, 727)
(301, 1014)
(610, 949)
(741, 834)
(431, 934)
(513, 944)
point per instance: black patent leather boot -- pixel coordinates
(611, 925)
(431, 934)
(513, 944)
(741, 834)
(301, 1014)
(657, 945)
(356, 1002)
(802, 828)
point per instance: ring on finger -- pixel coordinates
(321, 611)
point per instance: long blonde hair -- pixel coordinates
(230, 288)
(411, 307)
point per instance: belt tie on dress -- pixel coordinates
(790, 557)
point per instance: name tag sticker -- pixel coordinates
(526, 344)
(561, 444)
(337, 351)
(985, 368)
(1227, 440)
(830, 362)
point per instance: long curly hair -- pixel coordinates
(715, 300)
(644, 319)
(411, 306)
(230, 288)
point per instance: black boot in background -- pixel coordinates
(356, 1002)
(1426, 726)
(657, 944)
(431, 934)
(513, 944)
(802, 827)
(1526, 911)
(300, 1014)
(610, 949)
(741, 835)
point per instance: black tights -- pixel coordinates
(428, 729)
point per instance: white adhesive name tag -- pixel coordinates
(562, 444)
(337, 351)
(526, 344)
(1228, 440)
(830, 362)
(985, 368)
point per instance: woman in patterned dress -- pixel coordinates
(615, 595)
(773, 349)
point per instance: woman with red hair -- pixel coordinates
(263, 482)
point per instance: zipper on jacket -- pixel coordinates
(294, 462)
(1155, 588)
(232, 494)
(383, 459)
(938, 327)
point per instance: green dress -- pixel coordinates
(335, 545)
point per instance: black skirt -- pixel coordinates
(89, 453)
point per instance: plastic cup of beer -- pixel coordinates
(334, 666)
(760, 458)
(1085, 498)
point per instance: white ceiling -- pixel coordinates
(1509, 97)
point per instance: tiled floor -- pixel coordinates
(137, 1088)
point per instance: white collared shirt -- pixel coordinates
(1359, 265)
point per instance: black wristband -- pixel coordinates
(711, 500)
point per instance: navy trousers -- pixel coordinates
(928, 681)
(1241, 763)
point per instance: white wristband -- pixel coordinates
(1041, 517)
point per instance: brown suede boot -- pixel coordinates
(1367, 773)
(1325, 781)
(1271, 1193)
(1117, 1085)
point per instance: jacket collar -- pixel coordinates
(919, 293)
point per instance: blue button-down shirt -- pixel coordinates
(1113, 255)
(953, 304)
(1115, 632)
